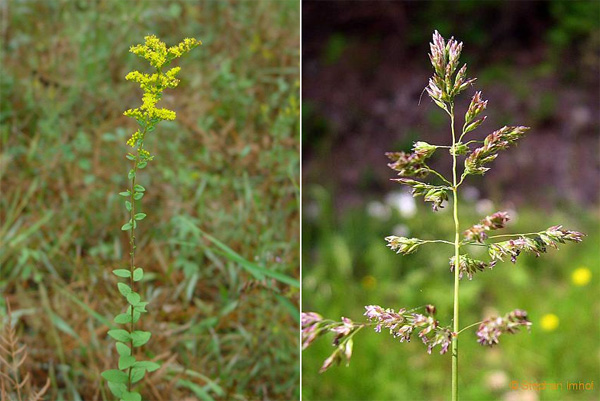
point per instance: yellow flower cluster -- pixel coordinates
(159, 56)
(145, 154)
(134, 138)
(156, 52)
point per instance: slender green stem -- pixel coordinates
(132, 254)
(439, 175)
(438, 241)
(468, 327)
(514, 235)
(132, 250)
(457, 263)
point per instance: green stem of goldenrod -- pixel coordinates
(132, 253)
(456, 264)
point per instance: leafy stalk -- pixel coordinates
(130, 370)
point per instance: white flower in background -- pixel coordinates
(311, 210)
(485, 206)
(401, 230)
(378, 210)
(403, 202)
(497, 380)
(470, 194)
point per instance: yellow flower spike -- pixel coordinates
(581, 276)
(157, 54)
(549, 322)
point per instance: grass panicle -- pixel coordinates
(446, 84)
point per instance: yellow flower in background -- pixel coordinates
(549, 322)
(581, 276)
(369, 282)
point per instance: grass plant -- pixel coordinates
(447, 82)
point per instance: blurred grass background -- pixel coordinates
(363, 74)
(228, 167)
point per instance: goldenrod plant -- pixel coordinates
(130, 369)
(447, 83)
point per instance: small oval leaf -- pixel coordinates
(117, 388)
(131, 396)
(122, 273)
(124, 289)
(140, 337)
(122, 318)
(138, 195)
(149, 366)
(133, 298)
(120, 335)
(140, 216)
(138, 274)
(137, 374)
(126, 362)
(123, 350)
(115, 376)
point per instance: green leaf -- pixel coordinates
(123, 350)
(120, 335)
(125, 194)
(140, 337)
(126, 227)
(131, 396)
(138, 195)
(123, 318)
(131, 174)
(124, 289)
(200, 391)
(149, 366)
(122, 273)
(138, 273)
(136, 316)
(256, 270)
(141, 307)
(126, 361)
(130, 156)
(142, 164)
(128, 206)
(133, 298)
(140, 216)
(137, 374)
(139, 188)
(118, 389)
(115, 376)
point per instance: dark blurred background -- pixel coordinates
(227, 166)
(364, 68)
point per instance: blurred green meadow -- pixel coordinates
(220, 243)
(347, 266)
